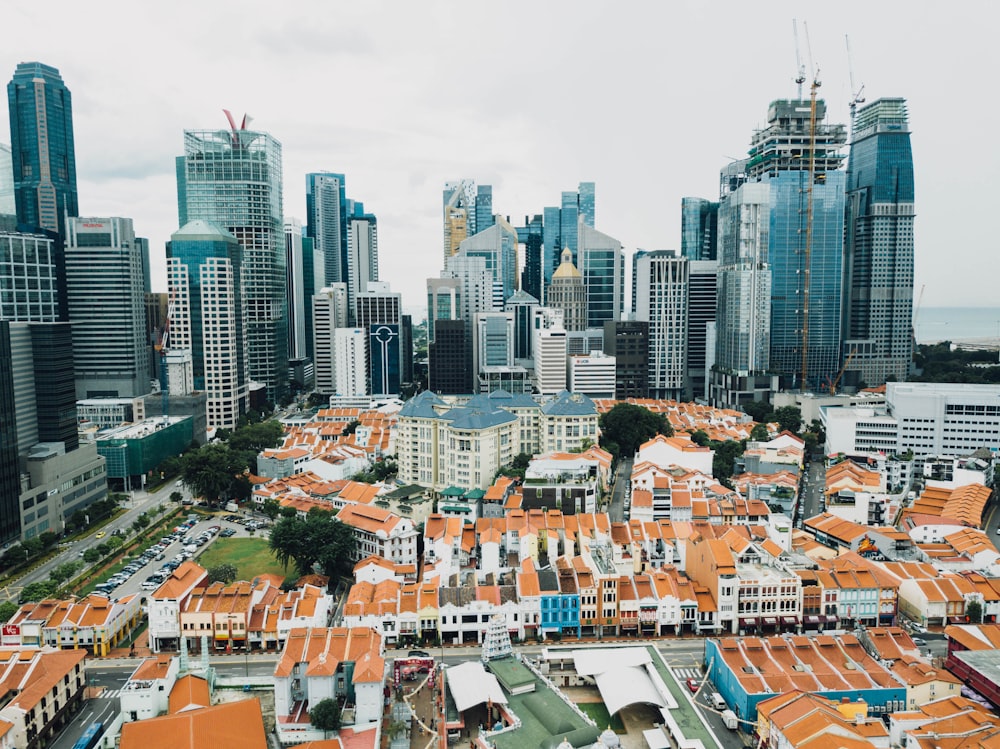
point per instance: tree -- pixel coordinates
(48, 539)
(319, 539)
(222, 573)
(176, 497)
(700, 437)
(759, 411)
(7, 610)
(325, 715)
(626, 426)
(64, 572)
(974, 612)
(271, 508)
(789, 418)
(759, 433)
(115, 542)
(37, 591)
(211, 471)
(724, 460)
(256, 437)
(91, 555)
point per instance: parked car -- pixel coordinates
(920, 642)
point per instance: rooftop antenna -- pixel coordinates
(857, 94)
(800, 76)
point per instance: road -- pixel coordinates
(623, 475)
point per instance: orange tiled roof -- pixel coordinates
(229, 725)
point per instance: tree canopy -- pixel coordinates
(626, 426)
(212, 470)
(325, 715)
(222, 573)
(318, 539)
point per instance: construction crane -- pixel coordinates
(857, 94)
(847, 363)
(813, 88)
(800, 69)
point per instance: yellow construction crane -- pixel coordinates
(847, 363)
(813, 88)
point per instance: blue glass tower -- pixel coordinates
(805, 238)
(699, 228)
(42, 148)
(878, 288)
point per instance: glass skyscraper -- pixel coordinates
(878, 287)
(805, 252)
(699, 228)
(232, 178)
(326, 222)
(42, 149)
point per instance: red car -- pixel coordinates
(693, 685)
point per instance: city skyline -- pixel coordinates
(401, 140)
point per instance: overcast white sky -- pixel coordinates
(647, 99)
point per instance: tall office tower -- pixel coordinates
(46, 474)
(444, 297)
(702, 301)
(106, 300)
(601, 260)
(484, 209)
(805, 238)
(406, 372)
(560, 230)
(878, 277)
(232, 178)
(628, 342)
(475, 295)
(530, 235)
(699, 228)
(326, 223)
(497, 245)
(7, 205)
(362, 252)
(42, 146)
(206, 268)
(30, 270)
(459, 214)
(494, 340)
(568, 293)
(327, 318)
(299, 297)
(350, 352)
(449, 361)
(312, 282)
(550, 351)
(157, 304)
(743, 308)
(378, 311)
(662, 289)
(522, 305)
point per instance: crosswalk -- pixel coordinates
(688, 673)
(110, 694)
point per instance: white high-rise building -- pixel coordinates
(661, 299)
(298, 294)
(329, 314)
(362, 253)
(549, 351)
(350, 355)
(106, 303)
(207, 317)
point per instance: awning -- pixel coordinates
(770, 621)
(790, 619)
(831, 619)
(813, 619)
(749, 622)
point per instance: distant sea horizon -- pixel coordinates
(935, 324)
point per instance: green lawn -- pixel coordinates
(598, 712)
(250, 555)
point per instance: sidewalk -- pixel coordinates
(139, 650)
